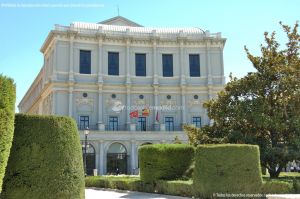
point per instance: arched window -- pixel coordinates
(116, 159)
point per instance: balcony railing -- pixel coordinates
(124, 127)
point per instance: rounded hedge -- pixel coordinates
(7, 115)
(164, 161)
(45, 161)
(227, 168)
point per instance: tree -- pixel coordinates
(263, 107)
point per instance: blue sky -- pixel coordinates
(242, 22)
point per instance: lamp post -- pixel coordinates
(86, 132)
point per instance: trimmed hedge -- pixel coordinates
(164, 161)
(45, 161)
(179, 188)
(277, 187)
(7, 115)
(227, 168)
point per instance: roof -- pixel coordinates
(119, 28)
(120, 21)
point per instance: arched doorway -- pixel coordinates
(117, 159)
(90, 158)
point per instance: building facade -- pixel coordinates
(130, 85)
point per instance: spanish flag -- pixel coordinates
(134, 114)
(145, 112)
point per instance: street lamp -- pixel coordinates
(86, 132)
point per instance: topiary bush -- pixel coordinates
(164, 161)
(277, 187)
(45, 160)
(7, 115)
(227, 168)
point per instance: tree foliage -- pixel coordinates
(263, 107)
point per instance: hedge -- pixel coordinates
(7, 114)
(227, 168)
(180, 188)
(164, 161)
(277, 187)
(45, 160)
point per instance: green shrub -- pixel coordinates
(7, 115)
(178, 187)
(276, 187)
(227, 168)
(45, 161)
(296, 186)
(164, 161)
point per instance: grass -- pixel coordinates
(284, 177)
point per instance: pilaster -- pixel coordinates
(100, 58)
(71, 59)
(154, 58)
(183, 104)
(128, 98)
(100, 107)
(133, 156)
(71, 88)
(101, 163)
(54, 63)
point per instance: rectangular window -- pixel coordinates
(167, 61)
(113, 63)
(196, 121)
(113, 123)
(83, 122)
(140, 64)
(169, 122)
(85, 62)
(194, 65)
(142, 123)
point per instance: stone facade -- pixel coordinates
(60, 88)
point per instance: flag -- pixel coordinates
(157, 117)
(134, 114)
(145, 112)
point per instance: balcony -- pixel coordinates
(131, 127)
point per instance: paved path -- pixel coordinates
(95, 193)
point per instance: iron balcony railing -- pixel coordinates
(124, 127)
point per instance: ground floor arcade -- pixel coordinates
(117, 152)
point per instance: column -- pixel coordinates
(100, 107)
(156, 92)
(222, 65)
(54, 63)
(208, 64)
(71, 59)
(100, 58)
(182, 65)
(101, 157)
(52, 101)
(71, 100)
(154, 59)
(97, 166)
(127, 57)
(41, 106)
(128, 93)
(133, 166)
(183, 104)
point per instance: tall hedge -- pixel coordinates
(227, 168)
(7, 115)
(164, 161)
(45, 161)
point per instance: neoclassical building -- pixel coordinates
(130, 85)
